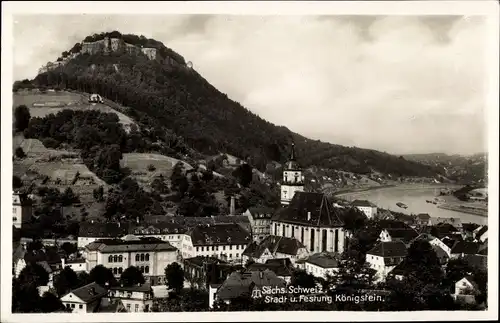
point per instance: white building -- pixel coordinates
(311, 219)
(480, 234)
(293, 180)
(274, 247)
(77, 265)
(260, 222)
(368, 208)
(322, 265)
(22, 210)
(403, 235)
(85, 299)
(92, 231)
(466, 290)
(150, 255)
(134, 298)
(385, 256)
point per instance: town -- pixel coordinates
(313, 252)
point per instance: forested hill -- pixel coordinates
(164, 94)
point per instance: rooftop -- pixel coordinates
(120, 245)
(362, 203)
(220, 234)
(324, 260)
(281, 267)
(89, 292)
(310, 209)
(242, 283)
(202, 260)
(405, 235)
(284, 245)
(389, 249)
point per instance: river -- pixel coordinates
(414, 196)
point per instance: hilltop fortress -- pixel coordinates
(109, 45)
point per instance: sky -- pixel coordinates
(399, 84)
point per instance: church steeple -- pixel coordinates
(292, 154)
(293, 181)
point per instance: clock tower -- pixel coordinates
(293, 180)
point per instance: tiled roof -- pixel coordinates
(242, 284)
(389, 249)
(75, 261)
(103, 230)
(315, 204)
(402, 269)
(202, 260)
(119, 245)
(471, 280)
(288, 246)
(425, 237)
(392, 224)
(50, 255)
(261, 212)
(405, 235)
(423, 216)
(481, 231)
(466, 247)
(440, 253)
(477, 261)
(483, 249)
(324, 260)
(453, 221)
(281, 267)
(220, 234)
(181, 225)
(469, 227)
(144, 288)
(362, 203)
(45, 266)
(89, 292)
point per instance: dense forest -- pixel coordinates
(179, 101)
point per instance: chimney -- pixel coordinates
(92, 291)
(137, 219)
(63, 262)
(232, 208)
(308, 216)
(119, 224)
(261, 274)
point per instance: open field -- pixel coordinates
(41, 105)
(35, 148)
(138, 165)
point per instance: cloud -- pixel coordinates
(397, 84)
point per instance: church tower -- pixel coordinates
(293, 180)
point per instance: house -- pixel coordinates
(392, 224)
(150, 255)
(282, 267)
(401, 270)
(77, 265)
(85, 299)
(403, 235)
(456, 222)
(322, 265)
(477, 261)
(137, 298)
(478, 194)
(385, 256)
(480, 234)
(46, 257)
(244, 284)
(92, 231)
(311, 219)
(423, 219)
(22, 209)
(462, 248)
(466, 290)
(275, 247)
(200, 270)
(367, 207)
(444, 230)
(225, 241)
(260, 221)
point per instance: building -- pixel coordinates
(466, 290)
(456, 222)
(48, 258)
(260, 221)
(138, 298)
(85, 299)
(310, 219)
(385, 256)
(244, 284)
(367, 207)
(293, 180)
(150, 255)
(480, 234)
(322, 265)
(151, 53)
(404, 235)
(200, 270)
(462, 248)
(423, 219)
(22, 209)
(478, 194)
(282, 267)
(92, 231)
(77, 265)
(224, 241)
(275, 247)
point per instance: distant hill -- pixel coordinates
(167, 97)
(472, 169)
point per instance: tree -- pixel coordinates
(34, 274)
(69, 248)
(68, 197)
(132, 276)
(102, 276)
(244, 174)
(303, 279)
(179, 180)
(159, 185)
(151, 168)
(174, 275)
(16, 182)
(22, 117)
(65, 281)
(98, 194)
(25, 297)
(50, 303)
(34, 245)
(20, 153)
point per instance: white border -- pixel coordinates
(484, 8)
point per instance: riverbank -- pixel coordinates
(404, 186)
(464, 209)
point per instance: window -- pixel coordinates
(293, 232)
(115, 258)
(80, 306)
(128, 307)
(120, 270)
(336, 246)
(147, 257)
(223, 247)
(146, 269)
(14, 219)
(115, 271)
(230, 255)
(312, 240)
(276, 229)
(142, 257)
(324, 241)
(197, 249)
(137, 307)
(137, 257)
(110, 259)
(302, 236)
(213, 248)
(142, 269)
(72, 305)
(120, 258)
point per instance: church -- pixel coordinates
(307, 216)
